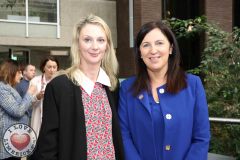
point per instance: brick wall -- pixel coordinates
(145, 11)
(220, 12)
(124, 52)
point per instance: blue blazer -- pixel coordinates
(186, 122)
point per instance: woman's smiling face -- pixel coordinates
(92, 44)
(155, 50)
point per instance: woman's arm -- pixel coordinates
(201, 126)
(12, 106)
(129, 148)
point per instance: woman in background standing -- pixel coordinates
(48, 66)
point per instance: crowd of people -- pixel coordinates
(21, 95)
(83, 112)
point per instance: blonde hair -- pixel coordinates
(109, 62)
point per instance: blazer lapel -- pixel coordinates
(143, 98)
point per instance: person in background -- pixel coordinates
(79, 112)
(163, 111)
(29, 73)
(13, 108)
(49, 66)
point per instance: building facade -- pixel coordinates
(31, 29)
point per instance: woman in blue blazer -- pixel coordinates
(163, 111)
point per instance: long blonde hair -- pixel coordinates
(109, 62)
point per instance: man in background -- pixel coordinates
(28, 74)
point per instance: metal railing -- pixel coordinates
(225, 120)
(213, 156)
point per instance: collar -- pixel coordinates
(87, 84)
(43, 79)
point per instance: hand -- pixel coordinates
(40, 95)
(32, 89)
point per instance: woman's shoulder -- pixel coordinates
(193, 80)
(36, 79)
(60, 84)
(61, 79)
(4, 86)
(128, 82)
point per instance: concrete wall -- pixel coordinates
(70, 12)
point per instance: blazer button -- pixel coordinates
(168, 116)
(161, 91)
(167, 147)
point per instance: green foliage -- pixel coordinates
(220, 67)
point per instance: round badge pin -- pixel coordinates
(19, 140)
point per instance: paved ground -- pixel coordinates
(212, 156)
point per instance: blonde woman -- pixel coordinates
(79, 108)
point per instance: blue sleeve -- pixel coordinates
(201, 126)
(129, 148)
(20, 90)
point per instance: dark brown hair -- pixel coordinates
(45, 60)
(8, 71)
(176, 77)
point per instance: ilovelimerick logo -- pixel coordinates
(19, 140)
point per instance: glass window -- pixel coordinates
(42, 10)
(12, 10)
(20, 55)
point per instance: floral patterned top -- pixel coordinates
(98, 120)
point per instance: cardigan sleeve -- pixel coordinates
(201, 127)
(47, 144)
(129, 148)
(12, 106)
